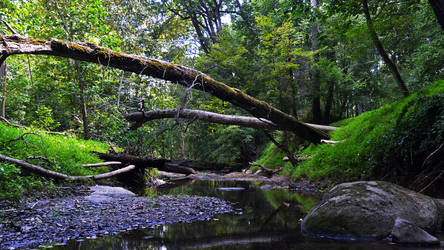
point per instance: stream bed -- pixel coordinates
(264, 217)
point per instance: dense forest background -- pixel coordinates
(316, 60)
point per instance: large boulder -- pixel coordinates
(369, 209)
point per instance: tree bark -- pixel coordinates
(83, 103)
(316, 87)
(3, 80)
(141, 117)
(160, 69)
(392, 66)
(438, 8)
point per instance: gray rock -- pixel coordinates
(405, 232)
(369, 210)
(107, 193)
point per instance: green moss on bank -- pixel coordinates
(65, 155)
(376, 142)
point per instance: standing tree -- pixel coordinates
(390, 64)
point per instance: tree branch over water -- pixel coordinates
(178, 74)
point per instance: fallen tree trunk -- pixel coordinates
(141, 162)
(49, 173)
(185, 76)
(209, 166)
(141, 117)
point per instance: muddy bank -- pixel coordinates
(80, 217)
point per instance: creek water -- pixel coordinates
(264, 218)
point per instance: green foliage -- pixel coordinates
(271, 157)
(44, 119)
(379, 138)
(65, 155)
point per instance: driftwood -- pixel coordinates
(49, 173)
(102, 164)
(141, 117)
(84, 51)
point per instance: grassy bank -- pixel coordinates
(65, 155)
(391, 142)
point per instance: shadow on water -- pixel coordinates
(263, 219)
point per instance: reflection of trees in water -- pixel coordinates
(262, 217)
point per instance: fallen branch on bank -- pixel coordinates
(49, 173)
(268, 171)
(102, 164)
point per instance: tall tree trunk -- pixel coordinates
(438, 8)
(3, 80)
(83, 102)
(392, 67)
(316, 90)
(329, 102)
(119, 89)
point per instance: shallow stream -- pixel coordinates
(264, 219)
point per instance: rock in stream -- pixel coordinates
(369, 209)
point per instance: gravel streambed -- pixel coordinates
(85, 217)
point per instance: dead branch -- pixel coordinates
(102, 164)
(39, 157)
(285, 149)
(430, 155)
(141, 117)
(270, 171)
(22, 138)
(10, 28)
(10, 124)
(433, 181)
(49, 173)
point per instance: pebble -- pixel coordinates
(78, 218)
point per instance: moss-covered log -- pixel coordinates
(185, 76)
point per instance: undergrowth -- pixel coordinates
(65, 155)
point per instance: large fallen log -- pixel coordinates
(185, 76)
(141, 117)
(49, 173)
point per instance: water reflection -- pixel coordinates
(264, 219)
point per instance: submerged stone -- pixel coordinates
(368, 210)
(405, 232)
